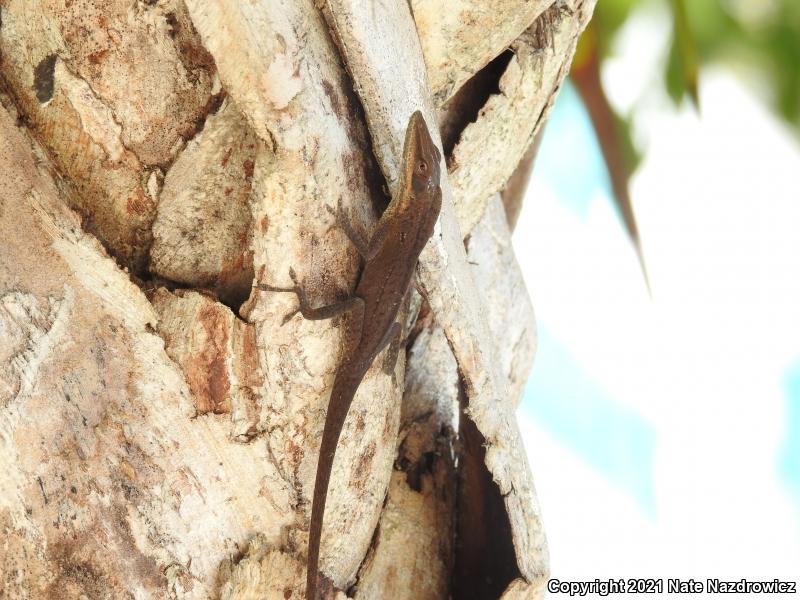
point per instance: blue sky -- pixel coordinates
(664, 433)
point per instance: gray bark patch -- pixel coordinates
(44, 78)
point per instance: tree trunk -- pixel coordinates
(159, 415)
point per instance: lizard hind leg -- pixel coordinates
(391, 339)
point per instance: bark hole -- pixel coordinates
(485, 562)
(415, 471)
(463, 108)
(44, 78)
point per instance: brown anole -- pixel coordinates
(390, 259)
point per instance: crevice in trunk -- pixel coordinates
(485, 561)
(463, 108)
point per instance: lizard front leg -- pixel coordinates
(392, 335)
(355, 236)
(367, 249)
(305, 308)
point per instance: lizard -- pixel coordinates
(389, 262)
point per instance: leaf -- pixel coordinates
(683, 68)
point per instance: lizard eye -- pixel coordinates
(422, 167)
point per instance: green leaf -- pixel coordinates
(683, 68)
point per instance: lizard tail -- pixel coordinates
(341, 398)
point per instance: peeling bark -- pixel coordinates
(217, 353)
(459, 37)
(489, 150)
(509, 311)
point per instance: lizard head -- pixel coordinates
(423, 157)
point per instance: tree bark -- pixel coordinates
(159, 415)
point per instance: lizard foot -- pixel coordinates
(295, 289)
(308, 312)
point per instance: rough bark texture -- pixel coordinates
(202, 229)
(113, 89)
(159, 419)
(110, 482)
(459, 37)
(489, 149)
